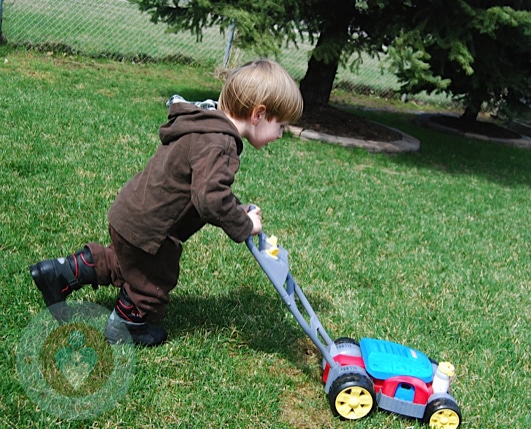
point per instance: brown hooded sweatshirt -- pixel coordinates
(186, 184)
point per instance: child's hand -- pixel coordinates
(255, 214)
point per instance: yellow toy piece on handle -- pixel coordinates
(272, 246)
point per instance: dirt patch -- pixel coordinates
(330, 120)
(305, 407)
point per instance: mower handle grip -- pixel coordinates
(262, 237)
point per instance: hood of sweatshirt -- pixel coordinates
(186, 118)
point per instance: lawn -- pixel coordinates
(430, 249)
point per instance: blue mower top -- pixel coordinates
(384, 359)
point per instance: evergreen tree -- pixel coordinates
(266, 25)
(475, 50)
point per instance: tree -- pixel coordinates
(344, 32)
(267, 24)
(334, 32)
(477, 50)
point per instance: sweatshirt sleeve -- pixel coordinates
(214, 167)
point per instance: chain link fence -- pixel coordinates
(117, 29)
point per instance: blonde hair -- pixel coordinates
(261, 82)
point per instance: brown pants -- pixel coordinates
(147, 279)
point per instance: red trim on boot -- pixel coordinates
(88, 264)
(129, 312)
(76, 271)
(122, 314)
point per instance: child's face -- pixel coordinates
(266, 132)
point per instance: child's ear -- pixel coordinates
(258, 113)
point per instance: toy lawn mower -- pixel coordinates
(360, 375)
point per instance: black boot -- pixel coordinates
(126, 324)
(58, 278)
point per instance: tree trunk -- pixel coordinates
(473, 102)
(471, 113)
(318, 82)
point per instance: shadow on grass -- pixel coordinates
(252, 318)
(507, 166)
(457, 155)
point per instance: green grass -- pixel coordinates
(429, 249)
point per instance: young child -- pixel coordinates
(185, 185)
